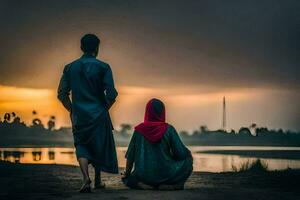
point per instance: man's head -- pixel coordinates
(90, 44)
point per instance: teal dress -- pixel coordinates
(167, 162)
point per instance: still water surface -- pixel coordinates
(202, 161)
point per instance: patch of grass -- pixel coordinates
(256, 166)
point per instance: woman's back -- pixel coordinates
(161, 162)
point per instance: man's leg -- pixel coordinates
(98, 181)
(84, 167)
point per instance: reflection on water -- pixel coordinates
(64, 156)
(51, 155)
(202, 161)
(37, 155)
(12, 156)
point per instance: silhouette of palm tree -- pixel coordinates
(7, 117)
(51, 123)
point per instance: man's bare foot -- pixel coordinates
(99, 185)
(171, 187)
(86, 186)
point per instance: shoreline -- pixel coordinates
(291, 154)
(27, 181)
(274, 154)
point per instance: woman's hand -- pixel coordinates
(124, 174)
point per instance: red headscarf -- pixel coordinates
(154, 126)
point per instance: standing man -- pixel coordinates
(92, 86)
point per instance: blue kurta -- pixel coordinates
(91, 84)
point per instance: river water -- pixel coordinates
(212, 162)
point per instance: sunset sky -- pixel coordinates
(188, 53)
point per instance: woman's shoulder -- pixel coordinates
(171, 129)
(136, 134)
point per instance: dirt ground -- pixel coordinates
(19, 181)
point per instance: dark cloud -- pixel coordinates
(222, 44)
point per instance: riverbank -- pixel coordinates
(18, 181)
(276, 154)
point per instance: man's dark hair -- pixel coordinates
(89, 43)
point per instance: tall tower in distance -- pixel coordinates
(224, 114)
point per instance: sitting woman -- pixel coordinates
(160, 159)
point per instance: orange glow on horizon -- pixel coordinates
(185, 109)
(23, 101)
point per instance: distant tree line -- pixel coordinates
(251, 135)
(14, 132)
(253, 130)
(11, 120)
